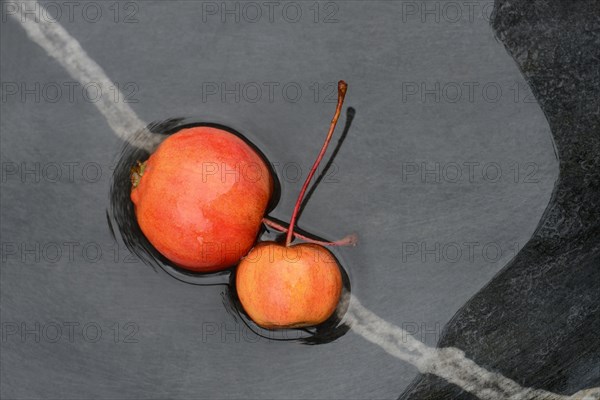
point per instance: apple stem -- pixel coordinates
(349, 240)
(342, 87)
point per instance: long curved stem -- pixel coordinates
(342, 87)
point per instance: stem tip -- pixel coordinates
(342, 87)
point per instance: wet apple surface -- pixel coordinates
(200, 198)
(283, 286)
(324, 327)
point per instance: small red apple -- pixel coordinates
(200, 198)
(289, 286)
(292, 286)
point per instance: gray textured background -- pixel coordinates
(169, 54)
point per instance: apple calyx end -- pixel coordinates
(136, 173)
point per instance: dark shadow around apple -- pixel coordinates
(121, 215)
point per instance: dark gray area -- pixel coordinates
(537, 322)
(176, 340)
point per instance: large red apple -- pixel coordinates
(289, 286)
(201, 196)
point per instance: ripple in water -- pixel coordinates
(122, 216)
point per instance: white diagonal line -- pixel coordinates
(448, 363)
(57, 42)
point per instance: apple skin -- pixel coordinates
(289, 287)
(192, 205)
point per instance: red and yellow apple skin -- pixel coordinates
(289, 286)
(200, 198)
